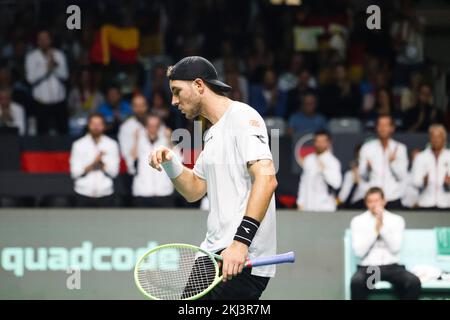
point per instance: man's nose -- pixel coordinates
(175, 101)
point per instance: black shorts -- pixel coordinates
(244, 286)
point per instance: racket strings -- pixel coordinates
(176, 273)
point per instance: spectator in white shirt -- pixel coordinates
(321, 177)
(377, 239)
(354, 188)
(11, 114)
(94, 163)
(128, 129)
(384, 162)
(431, 171)
(410, 197)
(46, 70)
(150, 188)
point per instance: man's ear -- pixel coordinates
(200, 85)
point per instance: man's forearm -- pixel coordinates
(189, 186)
(260, 196)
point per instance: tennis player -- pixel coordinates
(235, 169)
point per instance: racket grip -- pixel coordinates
(288, 257)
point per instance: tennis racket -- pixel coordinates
(184, 272)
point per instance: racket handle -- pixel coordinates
(288, 257)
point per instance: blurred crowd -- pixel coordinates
(304, 65)
(299, 66)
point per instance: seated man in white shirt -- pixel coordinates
(431, 171)
(384, 162)
(12, 115)
(377, 240)
(94, 163)
(321, 177)
(150, 188)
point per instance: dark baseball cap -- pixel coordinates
(193, 67)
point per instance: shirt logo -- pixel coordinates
(208, 139)
(260, 137)
(254, 123)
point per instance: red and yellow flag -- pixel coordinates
(119, 44)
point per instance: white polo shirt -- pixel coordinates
(95, 183)
(240, 136)
(126, 139)
(314, 192)
(434, 193)
(388, 176)
(51, 89)
(374, 250)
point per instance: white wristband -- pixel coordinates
(174, 167)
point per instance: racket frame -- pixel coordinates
(214, 257)
(288, 257)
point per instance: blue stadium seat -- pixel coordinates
(345, 125)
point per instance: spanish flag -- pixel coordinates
(118, 44)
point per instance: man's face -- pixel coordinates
(340, 73)
(5, 98)
(96, 126)
(140, 106)
(158, 101)
(186, 97)
(321, 143)
(375, 202)
(309, 105)
(437, 139)
(303, 78)
(113, 96)
(425, 95)
(270, 79)
(383, 97)
(44, 40)
(153, 124)
(385, 128)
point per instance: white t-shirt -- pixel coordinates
(382, 173)
(377, 250)
(17, 116)
(96, 183)
(126, 140)
(149, 182)
(314, 187)
(50, 89)
(434, 193)
(240, 136)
